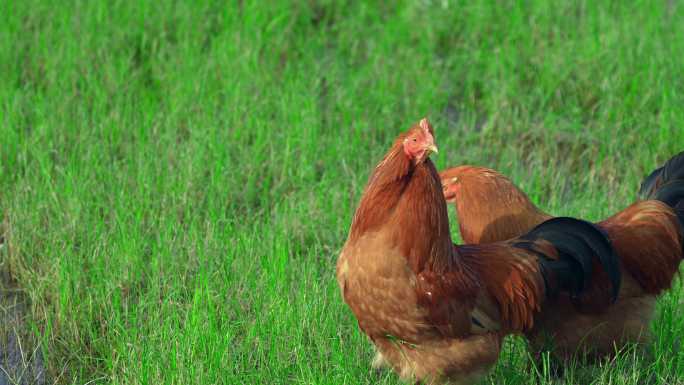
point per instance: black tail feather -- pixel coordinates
(649, 183)
(666, 184)
(672, 194)
(578, 243)
(672, 170)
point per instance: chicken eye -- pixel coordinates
(414, 139)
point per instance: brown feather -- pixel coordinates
(512, 278)
(647, 237)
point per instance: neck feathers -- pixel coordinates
(407, 200)
(384, 188)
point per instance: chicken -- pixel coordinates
(437, 312)
(647, 237)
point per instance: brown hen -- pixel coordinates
(647, 237)
(437, 312)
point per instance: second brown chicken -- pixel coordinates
(647, 236)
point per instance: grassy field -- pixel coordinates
(177, 179)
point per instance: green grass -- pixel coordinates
(177, 180)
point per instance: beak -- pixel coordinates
(433, 148)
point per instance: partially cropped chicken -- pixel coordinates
(647, 237)
(436, 312)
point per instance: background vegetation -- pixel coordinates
(177, 178)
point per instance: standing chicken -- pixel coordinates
(647, 237)
(436, 312)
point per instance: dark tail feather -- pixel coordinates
(672, 170)
(666, 184)
(649, 183)
(672, 194)
(578, 243)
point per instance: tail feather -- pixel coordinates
(672, 194)
(666, 184)
(649, 183)
(672, 170)
(579, 243)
